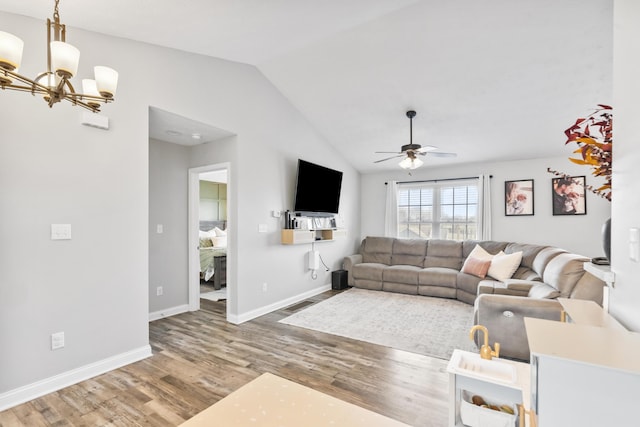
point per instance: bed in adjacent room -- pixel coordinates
(213, 252)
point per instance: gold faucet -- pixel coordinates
(485, 351)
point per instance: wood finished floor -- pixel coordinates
(199, 358)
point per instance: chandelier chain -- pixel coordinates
(56, 14)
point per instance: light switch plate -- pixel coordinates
(60, 231)
(57, 340)
(262, 228)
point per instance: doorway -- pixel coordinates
(201, 217)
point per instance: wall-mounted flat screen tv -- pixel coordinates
(317, 189)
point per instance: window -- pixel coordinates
(438, 210)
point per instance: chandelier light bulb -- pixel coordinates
(89, 87)
(49, 80)
(64, 59)
(10, 51)
(106, 80)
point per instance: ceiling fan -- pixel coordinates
(411, 151)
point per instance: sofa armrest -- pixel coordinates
(348, 263)
(503, 316)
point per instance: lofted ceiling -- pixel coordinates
(490, 79)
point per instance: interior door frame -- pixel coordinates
(194, 226)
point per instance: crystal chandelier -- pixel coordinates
(62, 64)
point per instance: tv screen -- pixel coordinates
(317, 189)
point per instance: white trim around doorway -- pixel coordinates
(193, 240)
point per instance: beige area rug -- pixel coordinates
(424, 325)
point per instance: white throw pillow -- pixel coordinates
(480, 253)
(219, 232)
(504, 265)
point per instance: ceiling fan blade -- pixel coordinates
(438, 154)
(388, 152)
(426, 148)
(389, 158)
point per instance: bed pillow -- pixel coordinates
(504, 265)
(219, 232)
(219, 241)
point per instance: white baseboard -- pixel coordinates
(245, 317)
(32, 391)
(172, 311)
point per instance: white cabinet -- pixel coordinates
(583, 375)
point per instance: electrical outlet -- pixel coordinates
(159, 291)
(57, 340)
(264, 287)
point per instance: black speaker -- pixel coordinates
(339, 279)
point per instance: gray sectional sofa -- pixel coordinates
(434, 268)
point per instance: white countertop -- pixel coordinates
(584, 343)
(589, 313)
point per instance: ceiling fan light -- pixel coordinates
(410, 163)
(64, 59)
(106, 80)
(10, 51)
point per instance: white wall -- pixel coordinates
(52, 170)
(579, 233)
(625, 297)
(168, 195)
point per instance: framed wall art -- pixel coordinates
(518, 197)
(569, 195)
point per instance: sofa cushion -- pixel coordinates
(368, 271)
(543, 291)
(444, 253)
(504, 265)
(440, 276)
(501, 288)
(529, 252)
(525, 273)
(564, 271)
(467, 283)
(488, 245)
(589, 287)
(544, 256)
(378, 250)
(409, 252)
(401, 274)
(520, 285)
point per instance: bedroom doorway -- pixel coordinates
(208, 235)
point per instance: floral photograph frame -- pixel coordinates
(518, 198)
(569, 195)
